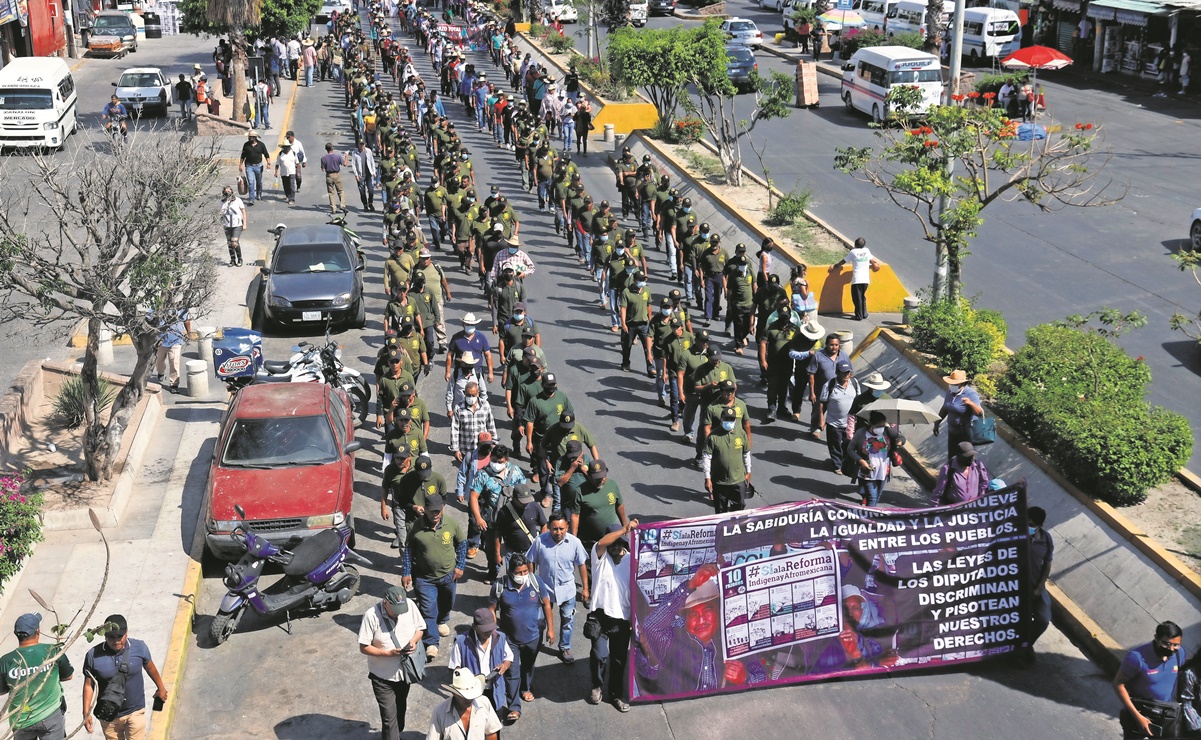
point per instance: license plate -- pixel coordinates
(310, 316)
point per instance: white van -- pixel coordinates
(909, 16)
(564, 12)
(873, 12)
(37, 103)
(872, 72)
(990, 32)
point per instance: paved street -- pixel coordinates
(20, 341)
(1035, 267)
(312, 685)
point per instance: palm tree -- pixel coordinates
(237, 16)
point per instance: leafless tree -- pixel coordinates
(118, 241)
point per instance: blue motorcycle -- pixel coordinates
(316, 576)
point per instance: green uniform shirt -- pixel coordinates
(435, 198)
(33, 675)
(677, 351)
(545, 412)
(419, 412)
(778, 343)
(726, 464)
(712, 261)
(742, 289)
(557, 438)
(504, 297)
(720, 371)
(513, 332)
(412, 346)
(522, 386)
(424, 303)
(414, 440)
(712, 415)
(412, 491)
(398, 268)
(597, 508)
(545, 167)
(387, 389)
(693, 363)
(432, 551)
(661, 333)
(635, 302)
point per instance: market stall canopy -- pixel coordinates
(844, 18)
(1129, 12)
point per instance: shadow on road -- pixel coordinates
(320, 726)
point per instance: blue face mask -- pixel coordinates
(512, 250)
(621, 250)
(604, 237)
(1033, 530)
(640, 284)
(518, 317)
(687, 210)
(728, 426)
(469, 330)
(666, 310)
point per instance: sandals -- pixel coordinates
(527, 696)
(512, 717)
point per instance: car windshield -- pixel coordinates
(110, 23)
(1004, 28)
(291, 440)
(138, 79)
(19, 99)
(312, 258)
(740, 55)
(906, 76)
(737, 26)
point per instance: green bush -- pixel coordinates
(537, 30)
(992, 83)
(664, 130)
(957, 337)
(559, 43)
(20, 524)
(69, 404)
(688, 130)
(790, 208)
(1079, 398)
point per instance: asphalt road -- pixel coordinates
(22, 340)
(1035, 267)
(312, 684)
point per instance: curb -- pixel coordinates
(181, 628)
(777, 52)
(79, 337)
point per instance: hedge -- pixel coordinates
(959, 336)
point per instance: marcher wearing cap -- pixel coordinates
(962, 478)
(399, 465)
(33, 673)
(390, 631)
(404, 433)
(568, 430)
(822, 369)
(484, 650)
(521, 608)
(837, 401)
(707, 387)
(512, 333)
(726, 463)
(432, 562)
(612, 571)
(466, 700)
(100, 666)
(595, 504)
(541, 412)
(960, 405)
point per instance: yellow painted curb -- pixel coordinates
(287, 122)
(79, 339)
(177, 648)
(833, 289)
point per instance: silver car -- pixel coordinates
(142, 88)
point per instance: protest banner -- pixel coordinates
(817, 590)
(451, 31)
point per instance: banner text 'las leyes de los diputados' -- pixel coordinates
(816, 590)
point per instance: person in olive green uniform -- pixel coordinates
(660, 332)
(411, 490)
(399, 307)
(390, 500)
(388, 386)
(413, 346)
(555, 444)
(727, 399)
(544, 172)
(776, 346)
(428, 312)
(404, 434)
(541, 412)
(706, 385)
(594, 504)
(433, 561)
(419, 413)
(695, 360)
(434, 201)
(521, 384)
(633, 306)
(397, 267)
(504, 297)
(571, 471)
(740, 299)
(726, 462)
(711, 263)
(675, 363)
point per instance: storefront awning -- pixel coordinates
(1128, 12)
(1072, 6)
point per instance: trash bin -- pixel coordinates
(154, 25)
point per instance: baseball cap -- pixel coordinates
(574, 448)
(676, 323)
(726, 385)
(117, 625)
(549, 381)
(27, 625)
(702, 335)
(567, 420)
(425, 469)
(406, 389)
(402, 453)
(397, 599)
(402, 414)
(843, 367)
(729, 414)
(484, 620)
(523, 493)
(713, 352)
(598, 469)
(434, 502)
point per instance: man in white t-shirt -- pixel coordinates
(286, 165)
(390, 632)
(862, 264)
(611, 574)
(233, 218)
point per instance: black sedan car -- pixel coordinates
(315, 275)
(740, 63)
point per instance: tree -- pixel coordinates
(935, 25)
(127, 250)
(917, 168)
(657, 60)
(1189, 261)
(715, 101)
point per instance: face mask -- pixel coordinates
(728, 426)
(521, 579)
(497, 467)
(640, 284)
(512, 250)
(687, 210)
(630, 270)
(472, 400)
(958, 389)
(1033, 530)
(519, 317)
(742, 270)
(666, 311)
(877, 431)
(469, 330)
(604, 237)
(1160, 650)
(621, 250)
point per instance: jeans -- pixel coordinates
(185, 109)
(612, 293)
(308, 76)
(568, 134)
(367, 191)
(636, 332)
(713, 289)
(51, 728)
(435, 598)
(393, 700)
(645, 219)
(520, 676)
(254, 182)
(437, 230)
(399, 523)
(583, 245)
(608, 657)
(692, 402)
(673, 257)
(263, 116)
(566, 622)
(543, 192)
(871, 491)
(859, 298)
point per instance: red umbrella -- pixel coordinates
(1036, 57)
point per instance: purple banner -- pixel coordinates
(816, 590)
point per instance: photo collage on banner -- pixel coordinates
(803, 592)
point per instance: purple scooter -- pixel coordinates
(315, 577)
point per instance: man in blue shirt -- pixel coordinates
(170, 349)
(469, 340)
(100, 667)
(557, 555)
(1149, 672)
(115, 112)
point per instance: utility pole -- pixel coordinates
(69, 28)
(940, 287)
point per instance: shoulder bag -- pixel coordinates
(112, 699)
(982, 430)
(412, 666)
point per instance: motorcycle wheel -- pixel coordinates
(226, 624)
(354, 584)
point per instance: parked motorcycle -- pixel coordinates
(316, 577)
(238, 361)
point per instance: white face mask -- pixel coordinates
(497, 467)
(877, 431)
(521, 580)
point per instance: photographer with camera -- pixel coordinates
(112, 676)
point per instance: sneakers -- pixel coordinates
(566, 656)
(443, 630)
(431, 652)
(594, 697)
(395, 545)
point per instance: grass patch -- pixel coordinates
(704, 165)
(804, 234)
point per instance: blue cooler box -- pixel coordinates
(238, 353)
